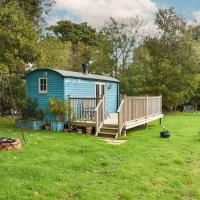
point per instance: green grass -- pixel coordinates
(65, 166)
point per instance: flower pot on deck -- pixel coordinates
(57, 126)
(29, 124)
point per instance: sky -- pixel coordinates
(96, 12)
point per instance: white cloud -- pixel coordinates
(96, 12)
(196, 16)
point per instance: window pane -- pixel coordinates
(43, 84)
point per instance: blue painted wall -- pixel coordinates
(87, 88)
(55, 87)
(61, 87)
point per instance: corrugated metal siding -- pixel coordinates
(55, 87)
(87, 88)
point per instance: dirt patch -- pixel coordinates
(113, 141)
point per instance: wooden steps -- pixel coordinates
(108, 130)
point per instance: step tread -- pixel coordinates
(109, 128)
(110, 125)
(107, 133)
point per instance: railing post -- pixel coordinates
(103, 109)
(69, 112)
(160, 104)
(119, 123)
(96, 118)
(125, 109)
(147, 106)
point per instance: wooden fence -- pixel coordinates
(136, 108)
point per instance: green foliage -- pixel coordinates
(18, 38)
(68, 31)
(18, 42)
(122, 35)
(167, 64)
(31, 111)
(102, 63)
(57, 107)
(81, 37)
(18, 90)
(54, 54)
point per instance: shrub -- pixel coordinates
(57, 107)
(31, 111)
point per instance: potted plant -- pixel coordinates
(79, 130)
(164, 133)
(89, 129)
(58, 108)
(47, 125)
(31, 115)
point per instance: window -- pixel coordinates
(42, 85)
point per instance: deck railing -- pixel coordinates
(99, 113)
(121, 116)
(83, 109)
(134, 108)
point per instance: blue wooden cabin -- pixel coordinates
(42, 84)
(95, 100)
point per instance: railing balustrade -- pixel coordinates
(99, 115)
(135, 108)
(83, 109)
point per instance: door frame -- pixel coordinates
(99, 83)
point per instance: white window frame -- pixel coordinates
(100, 83)
(39, 89)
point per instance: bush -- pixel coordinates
(31, 111)
(57, 107)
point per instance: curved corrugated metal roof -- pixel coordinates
(80, 75)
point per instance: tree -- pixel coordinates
(54, 54)
(168, 64)
(34, 10)
(18, 41)
(77, 34)
(122, 36)
(101, 61)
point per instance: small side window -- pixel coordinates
(42, 85)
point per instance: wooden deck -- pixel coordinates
(132, 112)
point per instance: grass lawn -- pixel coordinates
(68, 166)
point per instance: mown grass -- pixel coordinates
(68, 166)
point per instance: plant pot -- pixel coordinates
(89, 130)
(165, 134)
(47, 127)
(29, 124)
(70, 130)
(79, 130)
(57, 126)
